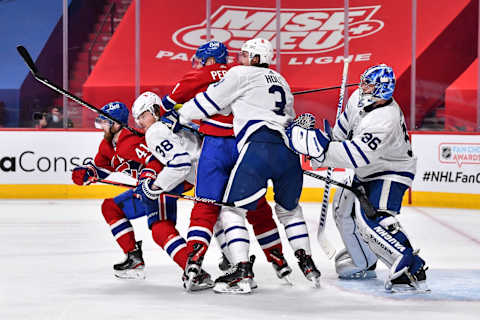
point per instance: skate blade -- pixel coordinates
(242, 287)
(202, 286)
(189, 284)
(418, 288)
(130, 274)
(286, 279)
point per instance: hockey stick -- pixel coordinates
(33, 69)
(370, 211)
(174, 195)
(324, 89)
(324, 243)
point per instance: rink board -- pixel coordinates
(37, 165)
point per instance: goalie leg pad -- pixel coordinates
(360, 256)
(295, 227)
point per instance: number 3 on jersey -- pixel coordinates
(279, 104)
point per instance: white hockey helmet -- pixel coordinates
(147, 101)
(260, 47)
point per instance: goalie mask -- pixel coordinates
(147, 101)
(377, 82)
(116, 110)
(261, 47)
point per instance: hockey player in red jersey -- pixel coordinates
(123, 151)
(217, 159)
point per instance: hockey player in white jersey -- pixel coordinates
(262, 105)
(178, 150)
(371, 137)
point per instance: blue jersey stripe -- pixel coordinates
(179, 165)
(242, 132)
(349, 154)
(361, 152)
(200, 108)
(345, 115)
(342, 128)
(398, 173)
(211, 101)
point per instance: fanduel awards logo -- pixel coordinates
(459, 153)
(303, 31)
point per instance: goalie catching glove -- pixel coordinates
(305, 139)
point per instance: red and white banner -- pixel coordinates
(311, 44)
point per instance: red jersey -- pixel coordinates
(130, 155)
(197, 81)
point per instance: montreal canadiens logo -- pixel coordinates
(303, 31)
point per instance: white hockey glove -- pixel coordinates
(306, 140)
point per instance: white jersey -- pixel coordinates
(178, 152)
(256, 96)
(375, 143)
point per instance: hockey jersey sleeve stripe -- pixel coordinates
(345, 115)
(341, 127)
(200, 107)
(384, 173)
(361, 152)
(168, 103)
(211, 101)
(179, 155)
(349, 154)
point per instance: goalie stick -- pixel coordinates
(370, 211)
(324, 243)
(34, 71)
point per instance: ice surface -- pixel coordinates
(56, 262)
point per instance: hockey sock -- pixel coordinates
(265, 228)
(120, 226)
(236, 234)
(295, 228)
(202, 221)
(166, 236)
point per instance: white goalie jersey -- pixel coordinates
(257, 97)
(178, 152)
(375, 143)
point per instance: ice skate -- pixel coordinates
(133, 267)
(202, 281)
(238, 281)
(308, 267)
(282, 269)
(407, 282)
(362, 274)
(194, 265)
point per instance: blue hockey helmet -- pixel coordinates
(116, 110)
(214, 49)
(382, 78)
